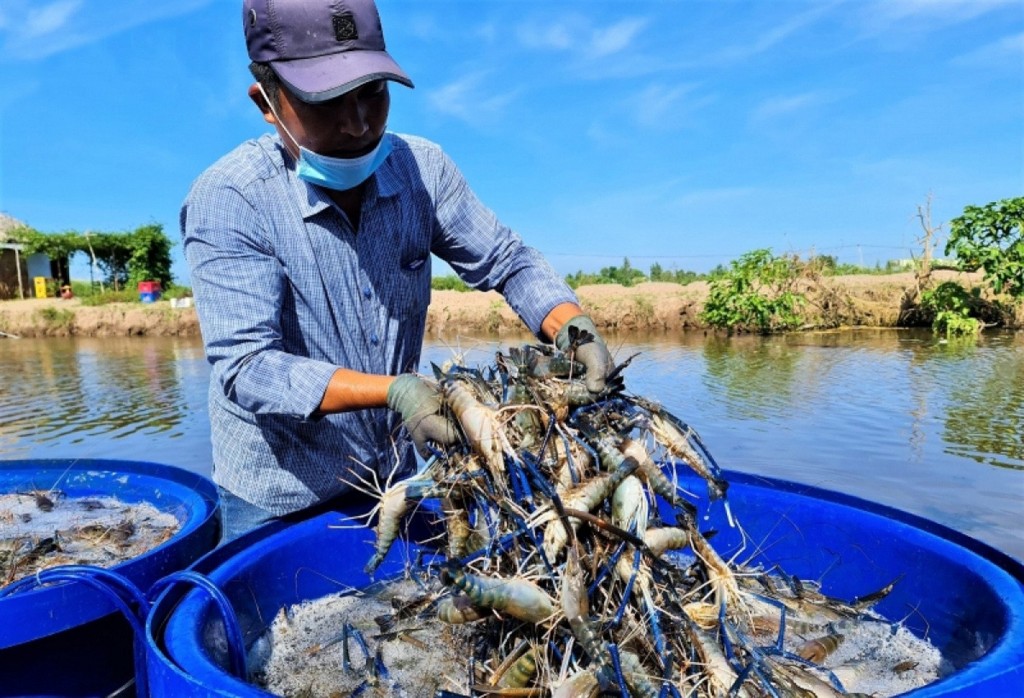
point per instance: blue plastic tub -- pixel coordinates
(68, 639)
(166, 678)
(968, 597)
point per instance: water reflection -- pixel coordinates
(756, 376)
(897, 417)
(985, 421)
(92, 393)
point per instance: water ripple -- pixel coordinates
(896, 417)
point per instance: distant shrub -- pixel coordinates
(105, 297)
(951, 304)
(679, 276)
(643, 307)
(828, 265)
(57, 318)
(494, 319)
(81, 289)
(755, 294)
(448, 283)
(175, 292)
(627, 275)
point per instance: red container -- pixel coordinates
(149, 287)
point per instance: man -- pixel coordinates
(309, 252)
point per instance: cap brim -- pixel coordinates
(321, 78)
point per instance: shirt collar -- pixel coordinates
(386, 177)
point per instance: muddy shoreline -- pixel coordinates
(841, 301)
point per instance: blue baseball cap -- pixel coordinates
(320, 49)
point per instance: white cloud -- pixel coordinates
(551, 37)
(467, 99)
(656, 107)
(940, 11)
(788, 106)
(613, 39)
(917, 17)
(30, 31)
(47, 19)
(1008, 50)
(769, 38)
(579, 36)
(666, 106)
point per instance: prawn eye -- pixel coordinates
(445, 576)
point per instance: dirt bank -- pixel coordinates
(841, 301)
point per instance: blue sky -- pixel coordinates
(685, 133)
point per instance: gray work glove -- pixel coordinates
(420, 406)
(591, 351)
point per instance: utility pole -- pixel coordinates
(17, 267)
(92, 267)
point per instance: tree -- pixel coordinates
(126, 258)
(990, 237)
(150, 257)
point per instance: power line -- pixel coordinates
(715, 255)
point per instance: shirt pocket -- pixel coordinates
(398, 239)
(406, 291)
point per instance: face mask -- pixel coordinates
(334, 173)
(340, 173)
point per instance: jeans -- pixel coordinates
(238, 516)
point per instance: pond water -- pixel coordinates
(899, 417)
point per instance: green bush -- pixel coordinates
(448, 283)
(57, 317)
(494, 319)
(109, 296)
(175, 292)
(828, 265)
(679, 276)
(951, 305)
(755, 295)
(81, 289)
(643, 307)
(627, 275)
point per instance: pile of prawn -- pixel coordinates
(46, 528)
(564, 539)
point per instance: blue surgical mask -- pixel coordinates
(339, 174)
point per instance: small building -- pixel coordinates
(18, 270)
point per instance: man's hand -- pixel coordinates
(420, 406)
(591, 351)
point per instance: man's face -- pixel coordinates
(345, 127)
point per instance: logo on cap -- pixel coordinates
(345, 27)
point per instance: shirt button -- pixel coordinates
(374, 340)
(367, 293)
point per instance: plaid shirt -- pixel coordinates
(287, 292)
